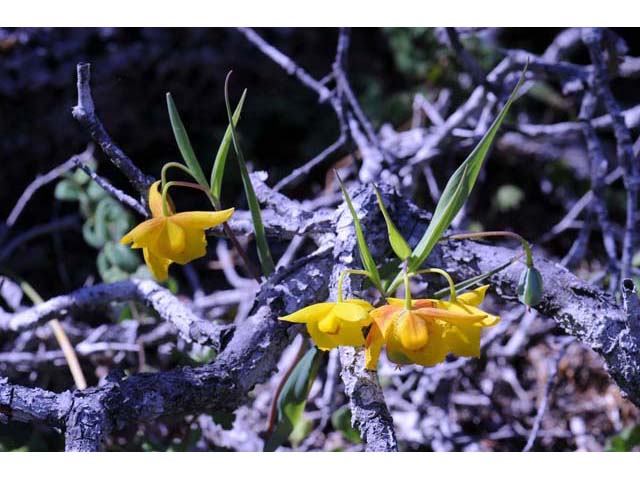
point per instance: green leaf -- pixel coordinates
(457, 190)
(182, 139)
(365, 254)
(217, 172)
(397, 241)
(67, 190)
(123, 257)
(95, 192)
(293, 398)
(341, 421)
(470, 282)
(626, 441)
(264, 255)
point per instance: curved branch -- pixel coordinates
(147, 292)
(84, 112)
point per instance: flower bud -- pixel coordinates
(530, 287)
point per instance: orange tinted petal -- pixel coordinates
(411, 331)
(373, 347)
(451, 316)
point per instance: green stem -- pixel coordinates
(251, 269)
(175, 183)
(452, 287)
(167, 166)
(225, 226)
(273, 411)
(525, 244)
(393, 287)
(407, 288)
(343, 274)
(469, 282)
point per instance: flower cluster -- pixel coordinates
(422, 334)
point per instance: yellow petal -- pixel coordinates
(363, 303)
(463, 341)
(411, 331)
(195, 246)
(171, 242)
(396, 353)
(330, 323)
(349, 335)
(399, 302)
(145, 234)
(454, 316)
(311, 314)
(351, 312)
(155, 201)
(202, 220)
(373, 347)
(385, 316)
(435, 351)
(468, 315)
(474, 297)
(159, 266)
(321, 340)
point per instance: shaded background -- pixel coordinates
(282, 125)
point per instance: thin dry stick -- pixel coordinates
(61, 336)
(551, 382)
(273, 412)
(43, 180)
(69, 354)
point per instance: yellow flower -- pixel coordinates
(431, 329)
(176, 237)
(332, 324)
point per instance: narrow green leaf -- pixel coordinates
(264, 255)
(470, 282)
(365, 254)
(341, 421)
(217, 172)
(397, 241)
(182, 139)
(293, 398)
(457, 190)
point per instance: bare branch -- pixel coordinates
(146, 292)
(43, 180)
(115, 193)
(84, 112)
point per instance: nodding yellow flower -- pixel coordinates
(176, 237)
(334, 324)
(431, 329)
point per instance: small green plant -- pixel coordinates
(105, 221)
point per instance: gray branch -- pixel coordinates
(582, 310)
(147, 292)
(249, 358)
(114, 192)
(84, 112)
